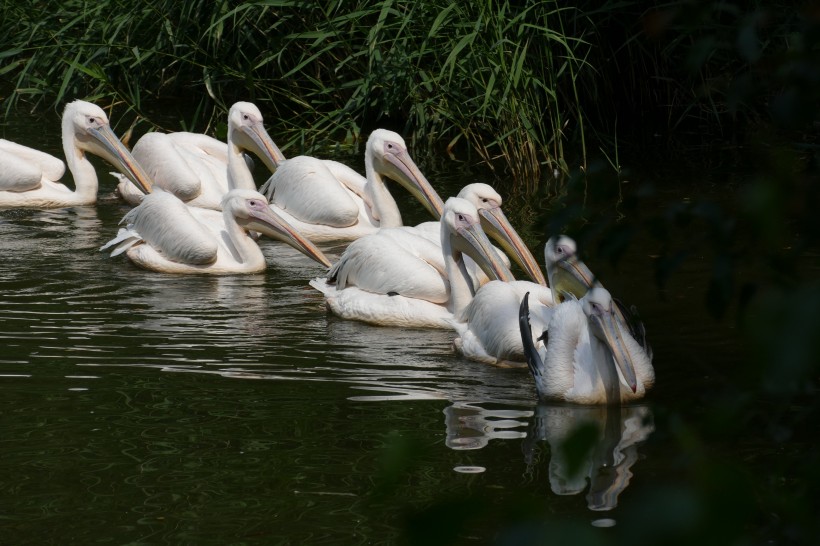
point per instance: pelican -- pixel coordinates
(30, 178)
(380, 282)
(200, 169)
(495, 224)
(163, 234)
(586, 357)
(569, 277)
(330, 202)
(488, 327)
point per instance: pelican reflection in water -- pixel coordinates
(605, 468)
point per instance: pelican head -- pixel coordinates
(252, 213)
(86, 129)
(599, 310)
(246, 130)
(566, 273)
(496, 225)
(390, 158)
(463, 234)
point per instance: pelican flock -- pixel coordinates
(197, 210)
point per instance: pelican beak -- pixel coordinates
(496, 225)
(404, 171)
(474, 242)
(271, 224)
(606, 328)
(571, 276)
(115, 152)
(257, 141)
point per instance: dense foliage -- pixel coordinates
(522, 84)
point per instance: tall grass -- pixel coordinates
(524, 86)
(492, 78)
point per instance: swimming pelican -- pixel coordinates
(29, 178)
(200, 169)
(330, 202)
(164, 234)
(586, 356)
(495, 224)
(488, 328)
(380, 282)
(570, 277)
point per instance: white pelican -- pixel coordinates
(29, 178)
(586, 356)
(330, 202)
(379, 282)
(495, 224)
(200, 169)
(488, 328)
(163, 234)
(569, 277)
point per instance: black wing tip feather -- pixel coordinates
(533, 359)
(636, 327)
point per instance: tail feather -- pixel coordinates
(125, 239)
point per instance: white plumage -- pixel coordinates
(385, 283)
(488, 329)
(587, 357)
(328, 201)
(200, 169)
(164, 234)
(30, 178)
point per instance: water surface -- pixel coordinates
(146, 408)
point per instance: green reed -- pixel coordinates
(492, 78)
(526, 87)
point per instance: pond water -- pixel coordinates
(143, 408)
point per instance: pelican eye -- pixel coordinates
(246, 117)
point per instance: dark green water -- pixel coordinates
(140, 408)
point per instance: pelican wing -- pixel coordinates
(167, 224)
(125, 239)
(305, 188)
(23, 168)
(377, 264)
(488, 326)
(352, 180)
(201, 145)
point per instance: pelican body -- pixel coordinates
(328, 201)
(166, 235)
(200, 169)
(586, 357)
(380, 282)
(488, 328)
(30, 178)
